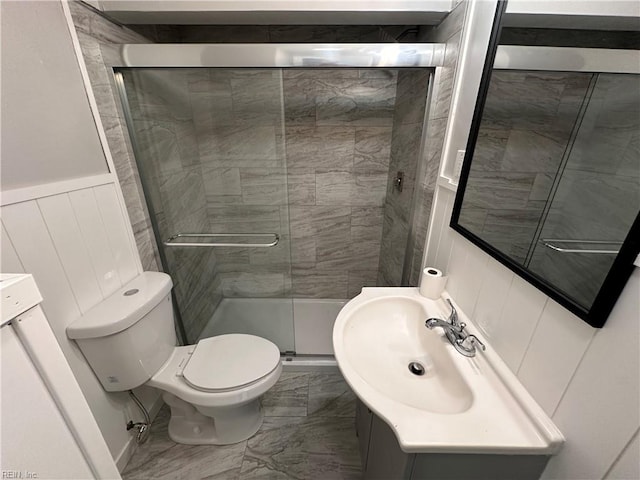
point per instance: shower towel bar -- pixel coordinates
(170, 242)
(548, 242)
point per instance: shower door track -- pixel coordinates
(280, 55)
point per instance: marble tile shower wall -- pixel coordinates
(98, 39)
(167, 150)
(338, 128)
(229, 160)
(448, 32)
(408, 122)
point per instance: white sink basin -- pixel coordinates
(460, 404)
(394, 326)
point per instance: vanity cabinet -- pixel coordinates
(382, 458)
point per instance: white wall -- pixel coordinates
(47, 125)
(73, 236)
(587, 380)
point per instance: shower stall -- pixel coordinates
(280, 179)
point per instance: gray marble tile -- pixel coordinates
(330, 396)
(301, 184)
(252, 284)
(303, 252)
(303, 448)
(262, 186)
(257, 101)
(320, 147)
(359, 279)
(244, 218)
(372, 149)
(277, 255)
(369, 189)
(317, 73)
(241, 146)
(365, 102)
(411, 96)
(220, 181)
(288, 397)
(161, 458)
(314, 283)
(334, 188)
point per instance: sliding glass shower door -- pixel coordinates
(209, 147)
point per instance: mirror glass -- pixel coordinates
(551, 185)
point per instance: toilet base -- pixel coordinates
(220, 425)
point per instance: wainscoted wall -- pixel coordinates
(72, 235)
(77, 248)
(99, 39)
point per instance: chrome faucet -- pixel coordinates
(454, 330)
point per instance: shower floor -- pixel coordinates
(303, 325)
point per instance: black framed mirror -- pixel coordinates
(550, 185)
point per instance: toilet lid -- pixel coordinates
(230, 361)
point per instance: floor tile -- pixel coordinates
(288, 397)
(302, 448)
(330, 396)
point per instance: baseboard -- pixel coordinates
(130, 447)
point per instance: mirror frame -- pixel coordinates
(623, 265)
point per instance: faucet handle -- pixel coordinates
(453, 317)
(474, 341)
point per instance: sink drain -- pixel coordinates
(416, 368)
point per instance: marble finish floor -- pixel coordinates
(308, 433)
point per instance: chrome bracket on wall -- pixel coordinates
(173, 241)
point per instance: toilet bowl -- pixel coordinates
(213, 388)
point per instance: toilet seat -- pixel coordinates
(229, 362)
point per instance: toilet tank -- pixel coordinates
(128, 336)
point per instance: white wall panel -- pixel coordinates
(67, 239)
(600, 410)
(522, 310)
(28, 232)
(30, 237)
(496, 282)
(119, 241)
(472, 279)
(95, 237)
(9, 261)
(628, 464)
(456, 265)
(445, 239)
(556, 348)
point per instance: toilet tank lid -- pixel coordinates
(123, 308)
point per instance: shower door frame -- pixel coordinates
(306, 56)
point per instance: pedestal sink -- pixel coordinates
(459, 405)
(408, 363)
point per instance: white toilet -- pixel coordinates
(213, 388)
